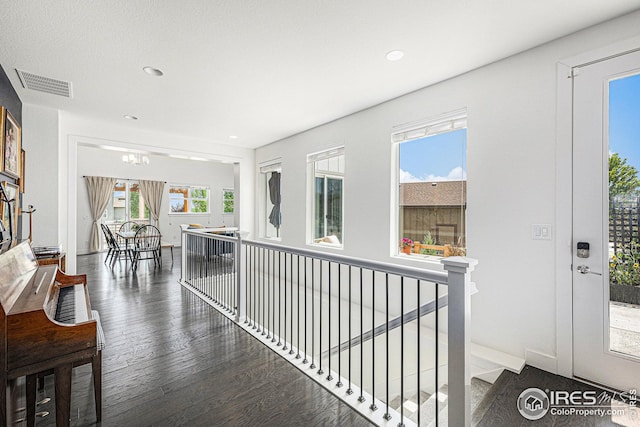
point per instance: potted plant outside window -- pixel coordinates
(406, 245)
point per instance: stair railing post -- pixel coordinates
(459, 338)
(183, 243)
(241, 279)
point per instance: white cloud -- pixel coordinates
(455, 174)
(407, 177)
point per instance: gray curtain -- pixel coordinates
(100, 190)
(151, 192)
(275, 217)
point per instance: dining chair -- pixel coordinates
(130, 226)
(105, 231)
(117, 248)
(146, 245)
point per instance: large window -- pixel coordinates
(432, 172)
(270, 205)
(126, 204)
(188, 199)
(327, 169)
(228, 201)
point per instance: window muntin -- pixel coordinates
(327, 220)
(188, 199)
(432, 187)
(228, 201)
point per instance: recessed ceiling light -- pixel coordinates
(394, 55)
(130, 117)
(153, 71)
(233, 136)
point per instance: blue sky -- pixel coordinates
(624, 119)
(435, 158)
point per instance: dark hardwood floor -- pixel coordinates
(499, 406)
(173, 360)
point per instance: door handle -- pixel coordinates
(584, 269)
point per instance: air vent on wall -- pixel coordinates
(44, 84)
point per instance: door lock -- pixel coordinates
(584, 269)
(583, 250)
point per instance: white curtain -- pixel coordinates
(100, 190)
(151, 192)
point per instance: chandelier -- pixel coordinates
(135, 159)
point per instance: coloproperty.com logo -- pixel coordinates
(534, 403)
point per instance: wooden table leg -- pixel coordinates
(63, 394)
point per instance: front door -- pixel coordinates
(606, 214)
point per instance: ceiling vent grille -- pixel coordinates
(44, 84)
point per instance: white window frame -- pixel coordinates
(264, 168)
(312, 158)
(188, 199)
(232, 191)
(444, 123)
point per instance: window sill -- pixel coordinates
(327, 245)
(189, 213)
(434, 259)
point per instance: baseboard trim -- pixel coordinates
(541, 361)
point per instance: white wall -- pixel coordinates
(512, 181)
(40, 141)
(99, 162)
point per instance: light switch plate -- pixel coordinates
(541, 232)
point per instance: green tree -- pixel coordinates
(134, 204)
(623, 178)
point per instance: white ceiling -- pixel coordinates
(264, 70)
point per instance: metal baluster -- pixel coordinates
(305, 311)
(284, 347)
(339, 383)
(401, 423)
(437, 356)
(298, 310)
(387, 415)
(249, 282)
(361, 397)
(349, 389)
(418, 343)
(270, 256)
(273, 299)
(291, 312)
(256, 277)
(279, 297)
(320, 371)
(261, 327)
(313, 314)
(373, 406)
(329, 377)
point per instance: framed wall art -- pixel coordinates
(12, 194)
(22, 169)
(11, 145)
(2, 138)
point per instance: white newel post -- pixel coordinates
(459, 319)
(183, 250)
(241, 279)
